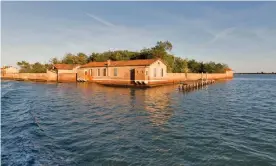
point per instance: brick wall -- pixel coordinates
(67, 77)
(49, 76)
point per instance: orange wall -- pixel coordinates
(123, 73)
(197, 76)
(140, 74)
(49, 76)
(67, 77)
(158, 65)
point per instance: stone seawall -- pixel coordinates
(49, 76)
(171, 78)
(176, 77)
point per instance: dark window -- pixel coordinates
(104, 72)
(99, 72)
(154, 72)
(115, 71)
(85, 73)
(162, 74)
(91, 72)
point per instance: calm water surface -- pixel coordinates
(229, 123)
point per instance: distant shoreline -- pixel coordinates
(254, 73)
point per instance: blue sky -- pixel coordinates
(241, 34)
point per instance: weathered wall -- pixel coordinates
(215, 76)
(158, 66)
(139, 74)
(49, 76)
(9, 70)
(194, 76)
(197, 76)
(67, 77)
(123, 73)
(74, 70)
(176, 76)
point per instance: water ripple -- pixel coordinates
(229, 123)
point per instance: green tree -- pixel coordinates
(194, 66)
(25, 67)
(38, 68)
(81, 58)
(161, 50)
(55, 61)
(180, 65)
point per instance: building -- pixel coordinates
(148, 72)
(8, 70)
(66, 72)
(229, 73)
(139, 72)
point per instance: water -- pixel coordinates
(228, 123)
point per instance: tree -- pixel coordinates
(81, 58)
(55, 61)
(194, 66)
(180, 65)
(161, 50)
(25, 67)
(164, 45)
(38, 68)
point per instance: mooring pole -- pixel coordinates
(202, 78)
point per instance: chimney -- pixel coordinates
(108, 62)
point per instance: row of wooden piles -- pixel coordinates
(186, 86)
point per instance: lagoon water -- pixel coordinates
(228, 123)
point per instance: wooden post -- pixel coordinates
(202, 78)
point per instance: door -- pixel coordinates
(132, 75)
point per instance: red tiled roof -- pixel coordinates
(65, 66)
(138, 62)
(94, 64)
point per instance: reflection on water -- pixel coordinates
(228, 123)
(155, 101)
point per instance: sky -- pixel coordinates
(240, 34)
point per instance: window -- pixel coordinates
(115, 72)
(154, 72)
(146, 73)
(162, 74)
(85, 72)
(91, 72)
(99, 72)
(104, 72)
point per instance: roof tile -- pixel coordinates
(65, 66)
(138, 62)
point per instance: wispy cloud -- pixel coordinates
(222, 34)
(107, 23)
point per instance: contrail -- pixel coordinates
(221, 34)
(100, 20)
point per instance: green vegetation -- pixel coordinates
(160, 50)
(37, 67)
